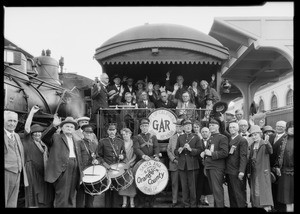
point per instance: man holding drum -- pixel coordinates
(188, 149)
(111, 150)
(88, 156)
(145, 147)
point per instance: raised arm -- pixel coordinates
(28, 122)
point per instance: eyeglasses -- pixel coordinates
(88, 132)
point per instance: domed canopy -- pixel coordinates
(161, 43)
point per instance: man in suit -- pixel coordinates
(164, 102)
(276, 142)
(114, 91)
(144, 103)
(188, 150)
(64, 164)
(203, 188)
(78, 134)
(14, 160)
(185, 108)
(173, 162)
(99, 93)
(145, 147)
(214, 161)
(128, 87)
(235, 167)
(178, 88)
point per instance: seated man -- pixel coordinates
(186, 109)
(144, 103)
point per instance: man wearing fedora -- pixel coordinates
(78, 134)
(215, 161)
(188, 149)
(64, 164)
(14, 160)
(173, 162)
(145, 146)
(111, 150)
(38, 193)
(89, 156)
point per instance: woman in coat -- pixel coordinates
(259, 170)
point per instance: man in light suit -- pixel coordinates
(146, 104)
(186, 109)
(235, 167)
(64, 164)
(173, 162)
(14, 159)
(276, 142)
(188, 149)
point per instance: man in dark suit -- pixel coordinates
(235, 167)
(214, 161)
(114, 91)
(188, 149)
(146, 104)
(14, 159)
(145, 147)
(178, 88)
(99, 93)
(64, 164)
(128, 87)
(163, 102)
(276, 142)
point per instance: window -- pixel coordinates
(289, 98)
(261, 106)
(274, 102)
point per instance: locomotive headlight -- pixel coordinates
(12, 57)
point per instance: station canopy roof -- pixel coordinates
(161, 44)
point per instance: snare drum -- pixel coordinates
(121, 176)
(95, 180)
(151, 177)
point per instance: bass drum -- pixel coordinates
(151, 177)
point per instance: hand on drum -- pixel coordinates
(156, 158)
(95, 162)
(121, 157)
(146, 157)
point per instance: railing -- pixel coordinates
(129, 117)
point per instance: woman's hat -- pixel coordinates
(69, 120)
(88, 125)
(36, 128)
(140, 82)
(178, 122)
(268, 129)
(255, 129)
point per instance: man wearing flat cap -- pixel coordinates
(145, 147)
(111, 150)
(276, 141)
(89, 156)
(188, 149)
(63, 169)
(38, 193)
(78, 134)
(214, 161)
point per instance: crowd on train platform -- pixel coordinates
(204, 154)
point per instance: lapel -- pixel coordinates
(64, 139)
(20, 146)
(232, 142)
(5, 140)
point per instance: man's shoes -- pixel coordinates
(204, 203)
(124, 205)
(173, 205)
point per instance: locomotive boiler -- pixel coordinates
(30, 81)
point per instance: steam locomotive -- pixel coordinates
(30, 81)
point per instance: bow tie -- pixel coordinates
(244, 135)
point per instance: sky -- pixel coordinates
(76, 32)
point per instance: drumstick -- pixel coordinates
(92, 174)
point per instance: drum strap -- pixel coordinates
(113, 147)
(148, 143)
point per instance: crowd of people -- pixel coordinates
(203, 157)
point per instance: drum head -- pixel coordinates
(162, 123)
(151, 177)
(93, 173)
(116, 170)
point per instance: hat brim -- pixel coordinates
(64, 122)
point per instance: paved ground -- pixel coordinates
(163, 199)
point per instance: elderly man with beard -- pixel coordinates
(39, 193)
(235, 167)
(111, 150)
(14, 160)
(188, 149)
(215, 162)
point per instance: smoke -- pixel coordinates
(75, 107)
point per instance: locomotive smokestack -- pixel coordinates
(61, 64)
